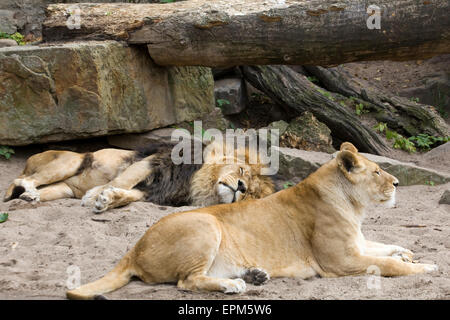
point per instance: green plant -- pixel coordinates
(426, 142)
(360, 109)
(288, 184)
(221, 102)
(403, 143)
(380, 127)
(166, 1)
(6, 152)
(19, 38)
(3, 217)
(326, 94)
(430, 183)
(392, 134)
(313, 79)
(415, 99)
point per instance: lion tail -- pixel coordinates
(113, 280)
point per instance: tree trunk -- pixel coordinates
(401, 114)
(289, 88)
(262, 32)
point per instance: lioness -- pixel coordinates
(110, 178)
(313, 228)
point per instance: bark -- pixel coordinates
(263, 32)
(401, 114)
(291, 89)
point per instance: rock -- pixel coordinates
(408, 173)
(307, 133)
(86, 89)
(295, 163)
(214, 119)
(440, 153)
(300, 163)
(231, 96)
(7, 43)
(133, 141)
(7, 22)
(445, 199)
(281, 125)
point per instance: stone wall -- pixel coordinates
(77, 90)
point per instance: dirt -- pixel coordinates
(42, 244)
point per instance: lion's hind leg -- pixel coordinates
(55, 191)
(45, 168)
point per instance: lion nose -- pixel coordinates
(241, 186)
(395, 183)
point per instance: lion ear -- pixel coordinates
(348, 162)
(349, 147)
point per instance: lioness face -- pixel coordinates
(372, 182)
(383, 183)
(233, 183)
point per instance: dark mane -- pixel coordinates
(169, 183)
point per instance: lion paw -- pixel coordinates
(104, 199)
(402, 254)
(256, 276)
(91, 195)
(234, 286)
(30, 196)
(430, 268)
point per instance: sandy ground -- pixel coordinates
(40, 242)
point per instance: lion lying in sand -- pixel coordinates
(313, 228)
(110, 178)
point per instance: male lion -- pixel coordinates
(313, 228)
(110, 178)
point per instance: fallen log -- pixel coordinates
(294, 90)
(261, 32)
(407, 117)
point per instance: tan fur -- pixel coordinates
(110, 179)
(313, 228)
(204, 191)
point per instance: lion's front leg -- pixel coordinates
(112, 197)
(385, 250)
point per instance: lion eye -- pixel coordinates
(377, 172)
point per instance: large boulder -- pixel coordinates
(214, 119)
(299, 164)
(86, 89)
(307, 133)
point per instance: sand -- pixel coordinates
(41, 243)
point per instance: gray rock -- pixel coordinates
(87, 89)
(281, 125)
(7, 22)
(300, 163)
(7, 43)
(307, 133)
(408, 173)
(295, 163)
(445, 199)
(231, 96)
(134, 141)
